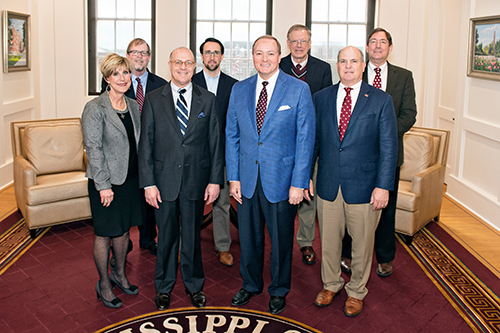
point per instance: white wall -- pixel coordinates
(430, 38)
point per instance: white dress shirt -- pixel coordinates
(187, 95)
(269, 88)
(383, 74)
(341, 95)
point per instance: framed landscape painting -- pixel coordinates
(484, 48)
(16, 42)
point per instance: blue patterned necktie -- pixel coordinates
(182, 111)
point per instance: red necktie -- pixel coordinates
(299, 67)
(262, 106)
(377, 81)
(345, 114)
(139, 94)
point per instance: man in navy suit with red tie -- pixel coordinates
(318, 75)
(143, 82)
(356, 148)
(220, 84)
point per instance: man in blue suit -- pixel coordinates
(139, 54)
(220, 84)
(269, 145)
(356, 147)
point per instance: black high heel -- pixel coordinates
(115, 303)
(133, 290)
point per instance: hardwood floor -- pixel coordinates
(482, 240)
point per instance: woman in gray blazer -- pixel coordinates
(111, 130)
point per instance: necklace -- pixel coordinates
(117, 108)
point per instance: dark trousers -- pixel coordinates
(253, 215)
(385, 242)
(176, 219)
(147, 231)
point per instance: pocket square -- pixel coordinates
(284, 107)
(201, 115)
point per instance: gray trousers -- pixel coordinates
(222, 225)
(307, 218)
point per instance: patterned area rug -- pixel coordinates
(209, 319)
(15, 241)
(478, 305)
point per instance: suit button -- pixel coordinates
(256, 162)
(183, 145)
(340, 149)
(180, 166)
(260, 143)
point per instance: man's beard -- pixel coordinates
(207, 66)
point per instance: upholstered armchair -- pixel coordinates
(49, 172)
(421, 181)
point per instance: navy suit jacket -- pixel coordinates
(319, 73)
(154, 82)
(282, 153)
(401, 87)
(366, 157)
(226, 83)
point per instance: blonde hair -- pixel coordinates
(112, 62)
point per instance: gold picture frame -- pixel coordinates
(484, 48)
(16, 41)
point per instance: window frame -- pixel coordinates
(93, 88)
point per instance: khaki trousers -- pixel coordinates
(361, 222)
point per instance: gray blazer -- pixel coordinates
(106, 141)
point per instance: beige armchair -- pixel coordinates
(422, 179)
(49, 172)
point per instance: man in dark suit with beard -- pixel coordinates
(220, 84)
(181, 167)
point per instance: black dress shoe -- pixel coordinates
(276, 304)
(242, 297)
(308, 255)
(153, 248)
(198, 299)
(162, 301)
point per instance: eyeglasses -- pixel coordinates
(136, 53)
(179, 63)
(210, 53)
(299, 41)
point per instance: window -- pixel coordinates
(237, 24)
(112, 24)
(336, 24)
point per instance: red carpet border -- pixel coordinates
(15, 242)
(478, 305)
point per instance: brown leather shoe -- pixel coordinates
(225, 257)
(325, 297)
(345, 265)
(308, 255)
(384, 269)
(353, 307)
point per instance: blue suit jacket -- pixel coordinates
(283, 150)
(366, 157)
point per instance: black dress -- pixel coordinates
(125, 211)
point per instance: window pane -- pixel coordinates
(319, 40)
(143, 30)
(125, 9)
(338, 11)
(240, 40)
(256, 30)
(223, 9)
(205, 10)
(240, 10)
(319, 10)
(105, 36)
(356, 36)
(143, 9)
(258, 10)
(337, 40)
(106, 8)
(203, 31)
(124, 34)
(357, 11)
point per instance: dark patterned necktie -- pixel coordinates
(182, 111)
(139, 94)
(261, 106)
(377, 81)
(345, 113)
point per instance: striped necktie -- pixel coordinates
(139, 94)
(182, 111)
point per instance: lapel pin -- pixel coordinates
(366, 95)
